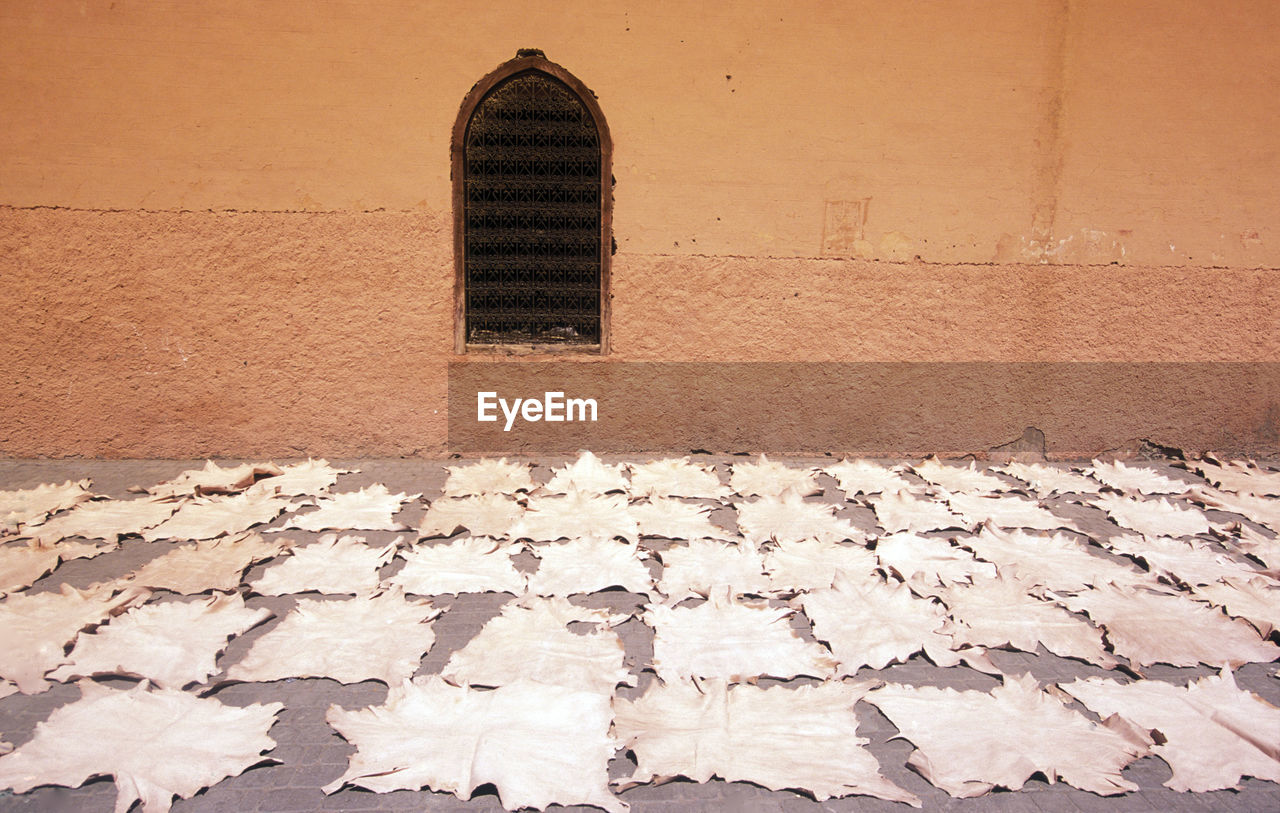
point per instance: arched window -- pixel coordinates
(532, 211)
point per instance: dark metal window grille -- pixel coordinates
(531, 171)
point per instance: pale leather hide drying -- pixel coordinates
(702, 565)
(1006, 512)
(1050, 480)
(587, 475)
(1212, 733)
(171, 644)
(733, 640)
(217, 564)
(331, 565)
(781, 738)
(1152, 517)
(34, 628)
(1242, 478)
(369, 509)
(28, 505)
(961, 479)
(576, 515)
(588, 565)
(970, 742)
(531, 640)
(789, 518)
(309, 478)
(767, 478)
(811, 565)
(467, 565)
(213, 479)
(863, 477)
(899, 511)
(493, 515)
(867, 622)
(1136, 479)
(1189, 562)
(380, 637)
(998, 612)
(488, 477)
(1150, 628)
(674, 519)
(211, 517)
(676, 478)
(925, 562)
(537, 744)
(1057, 562)
(102, 519)
(155, 743)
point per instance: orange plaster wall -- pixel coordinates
(226, 229)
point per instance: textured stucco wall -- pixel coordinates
(228, 231)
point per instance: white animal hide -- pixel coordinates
(703, 565)
(807, 564)
(1262, 510)
(871, 623)
(962, 479)
(1050, 480)
(1152, 517)
(676, 478)
(767, 478)
(28, 505)
(673, 519)
(531, 640)
(493, 515)
(1006, 512)
(1191, 563)
(900, 511)
(1152, 628)
(864, 477)
(217, 564)
(1255, 601)
(1212, 733)
(380, 637)
(369, 509)
(587, 565)
(310, 478)
(927, 561)
(210, 517)
(331, 565)
(467, 565)
(1242, 478)
(1246, 540)
(999, 612)
(1057, 562)
(155, 743)
(171, 644)
(789, 518)
(537, 744)
(213, 479)
(970, 742)
(781, 738)
(577, 515)
(732, 640)
(102, 519)
(488, 477)
(22, 566)
(1136, 479)
(34, 628)
(588, 475)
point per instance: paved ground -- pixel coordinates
(311, 754)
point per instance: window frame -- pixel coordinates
(522, 63)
